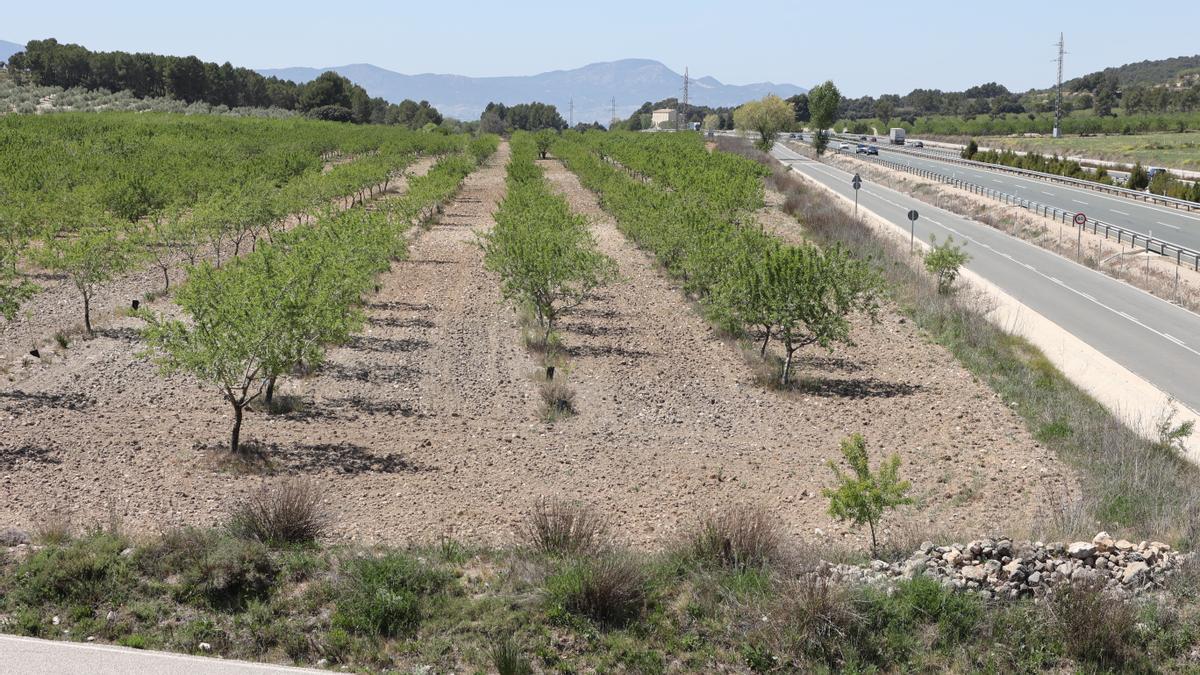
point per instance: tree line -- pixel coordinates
(498, 118)
(187, 78)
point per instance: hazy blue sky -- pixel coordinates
(878, 47)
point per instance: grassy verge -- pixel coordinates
(1174, 150)
(1128, 483)
(729, 597)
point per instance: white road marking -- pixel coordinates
(1065, 286)
(1120, 212)
(1173, 227)
(1174, 339)
(1047, 193)
(1079, 202)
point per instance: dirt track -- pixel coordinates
(426, 424)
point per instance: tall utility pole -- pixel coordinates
(1058, 90)
(613, 120)
(571, 124)
(681, 118)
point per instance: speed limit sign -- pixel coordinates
(1080, 219)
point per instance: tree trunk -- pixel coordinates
(787, 367)
(234, 437)
(271, 390)
(762, 353)
(873, 545)
(87, 314)
(166, 280)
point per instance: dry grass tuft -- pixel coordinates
(287, 513)
(738, 537)
(564, 528)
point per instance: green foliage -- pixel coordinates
(971, 150)
(766, 117)
(90, 258)
(188, 79)
(944, 262)
(386, 596)
(863, 497)
(610, 590)
(86, 571)
(542, 250)
(805, 295)
(544, 139)
(823, 102)
(1139, 178)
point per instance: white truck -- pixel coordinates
(896, 136)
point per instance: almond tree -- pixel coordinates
(808, 295)
(863, 497)
(90, 258)
(230, 340)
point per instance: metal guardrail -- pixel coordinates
(1151, 244)
(1055, 178)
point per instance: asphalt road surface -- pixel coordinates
(30, 656)
(1152, 338)
(1178, 227)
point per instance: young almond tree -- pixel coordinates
(809, 293)
(544, 254)
(863, 497)
(230, 340)
(90, 258)
(944, 262)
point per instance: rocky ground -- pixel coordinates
(427, 425)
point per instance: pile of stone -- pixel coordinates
(1002, 568)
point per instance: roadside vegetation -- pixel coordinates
(1174, 150)
(732, 593)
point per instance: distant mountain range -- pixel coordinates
(7, 49)
(631, 81)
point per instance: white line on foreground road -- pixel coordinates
(31, 656)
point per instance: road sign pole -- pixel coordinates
(856, 183)
(1080, 220)
(912, 230)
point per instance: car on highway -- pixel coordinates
(791, 135)
(860, 149)
(872, 150)
(844, 146)
(873, 139)
(917, 144)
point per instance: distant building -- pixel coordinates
(664, 118)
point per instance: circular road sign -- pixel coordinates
(913, 215)
(856, 182)
(1080, 219)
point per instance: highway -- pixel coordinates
(1178, 227)
(1151, 338)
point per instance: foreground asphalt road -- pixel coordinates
(30, 656)
(1168, 224)
(1150, 337)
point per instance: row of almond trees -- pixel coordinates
(281, 306)
(90, 243)
(543, 251)
(696, 215)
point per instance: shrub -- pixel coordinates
(610, 590)
(560, 527)
(817, 617)
(384, 596)
(863, 497)
(944, 261)
(288, 513)
(88, 571)
(508, 659)
(558, 399)
(55, 529)
(1095, 628)
(212, 568)
(737, 537)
